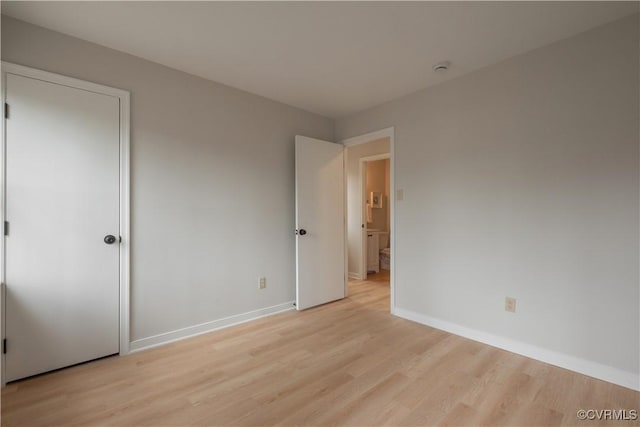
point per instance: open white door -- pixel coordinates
(320, 222)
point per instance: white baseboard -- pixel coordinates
(572, 363)
(356, 276)
(203, 328)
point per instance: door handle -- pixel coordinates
(110, 239)
(301, 232)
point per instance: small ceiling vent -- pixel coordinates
(442, 66)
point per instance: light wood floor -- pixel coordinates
(346, 363)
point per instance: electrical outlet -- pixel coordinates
(510, 304)
(263, 283)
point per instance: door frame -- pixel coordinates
(390, 133)
(124, 197)
(363, 209)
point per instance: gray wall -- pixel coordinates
(521, 180)
(212, 182)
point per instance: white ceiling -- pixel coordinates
(331, 58)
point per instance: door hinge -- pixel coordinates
(4, 346)
(6, 110)
(6, 228)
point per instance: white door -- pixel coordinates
(62, 201)
(320, 222)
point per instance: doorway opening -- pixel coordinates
(376, 218)
(370, 211)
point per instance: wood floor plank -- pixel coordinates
(345, 363)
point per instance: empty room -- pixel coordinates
(320, 213)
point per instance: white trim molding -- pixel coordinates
(203, 328)
(593, 369)
(371, 136)
(123, 97)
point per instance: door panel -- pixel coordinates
(320, 252)
(62, 198)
